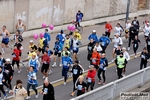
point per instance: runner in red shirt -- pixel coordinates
(108, 28)
(16, 58)
(91, 77)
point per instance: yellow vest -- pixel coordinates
(120, 62)
(41, 43)
(67, 43)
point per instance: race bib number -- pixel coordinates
(135, 45)
(148, 42)
(103, 43)
(90, 48)
(143, 56)
(89, 80)
(65, 63)
(79, 87)
(93, 61)
(75, 48)
(75, 71)
(46, 90)
(126, 31)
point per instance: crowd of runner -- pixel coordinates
(66, 49)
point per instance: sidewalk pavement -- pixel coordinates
(100, 28)
(143, 88)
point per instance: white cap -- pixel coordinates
(124, 48)
(31, 41)
(94, 31)
(91, 66)
(7, 59)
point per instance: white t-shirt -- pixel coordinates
(98, 48)
(126, 55)
(118, 30)
(117, 41)
(146, 30)
(128, 25)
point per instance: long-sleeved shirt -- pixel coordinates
(108, 27)
(15, 54)
(103, 63)
(126, 55)
(47, 36)
(49, 90)
(94, 37)
(66, 61)
(45, 59)
(104, 40)
(91, 76)
(144, 56)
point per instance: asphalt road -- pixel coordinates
(63, 92)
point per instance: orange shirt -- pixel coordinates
(108, 27)
(95, 58)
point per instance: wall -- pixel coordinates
(58, 12)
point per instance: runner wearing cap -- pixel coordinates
(105, 41)
(77, 70)
(91, 78)
(2, 80)
(57, 52)
(9, 74)
(127, 56)
(32, 81)
(93, 36)
(102, 68)
(144, 57)
(120, 62)
(32, 45)
(66, 63)
(135, 43)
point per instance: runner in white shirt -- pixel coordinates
(98, 47)
(127, 56)
(117, 41)
(118, 30)
(146, 30)
(20, 26)
(128, 25)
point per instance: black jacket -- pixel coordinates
(132, 32)
(50, 92)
